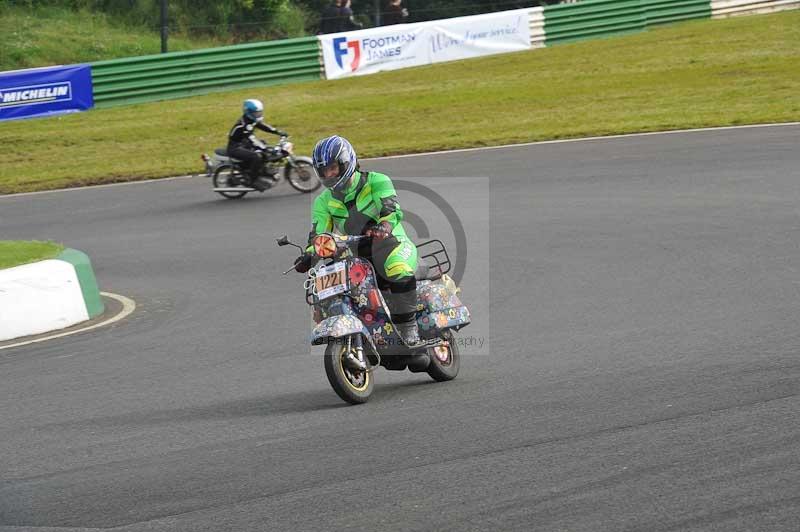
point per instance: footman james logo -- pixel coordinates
(351, 53)
(342, 47)
(34, 94)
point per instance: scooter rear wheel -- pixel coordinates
(355, 387)
(445, 359)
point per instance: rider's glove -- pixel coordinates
(282, 133)
(380, 231)
(303, 263)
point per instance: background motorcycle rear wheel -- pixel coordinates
(444, 366)
(353, 387)
(222, 179)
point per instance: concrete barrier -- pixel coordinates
(48, 295)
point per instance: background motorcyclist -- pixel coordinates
(243, 144)
(365, 203)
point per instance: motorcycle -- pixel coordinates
(232, 182)
(352, 317)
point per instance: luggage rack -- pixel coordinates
(439, 262)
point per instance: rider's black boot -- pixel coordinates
(409, 332)
(270, 176)
(255, 179)
(404, 316)
(403, 306)
(260, 183)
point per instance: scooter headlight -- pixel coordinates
(324, 246)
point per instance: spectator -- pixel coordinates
(395, 13)
(330, 21)
(346, 18)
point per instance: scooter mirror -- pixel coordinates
(283, 241)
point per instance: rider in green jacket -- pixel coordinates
(365, 203)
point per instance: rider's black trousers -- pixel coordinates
(251, 161)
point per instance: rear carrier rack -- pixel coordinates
(433, 255)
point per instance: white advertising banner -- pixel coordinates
(368, 51)
(465, 37)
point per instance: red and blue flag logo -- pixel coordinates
(342, 48)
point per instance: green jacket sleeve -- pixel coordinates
(385, 196)
(321, 220)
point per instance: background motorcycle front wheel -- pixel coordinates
(445, 360)
(301, 175)
(224, 178)
(353, 387)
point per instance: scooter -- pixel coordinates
(354, 321)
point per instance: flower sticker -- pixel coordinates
(358, 272)
(425, 323)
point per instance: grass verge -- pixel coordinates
(18, 252)
(703, 73)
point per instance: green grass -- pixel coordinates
(16, 252)
(743, 70)
(43, 36)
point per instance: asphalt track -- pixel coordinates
(639, 299)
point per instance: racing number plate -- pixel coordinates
(330, 280)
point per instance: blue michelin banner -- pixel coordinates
(45, 91)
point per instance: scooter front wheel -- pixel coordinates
(355, 387)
